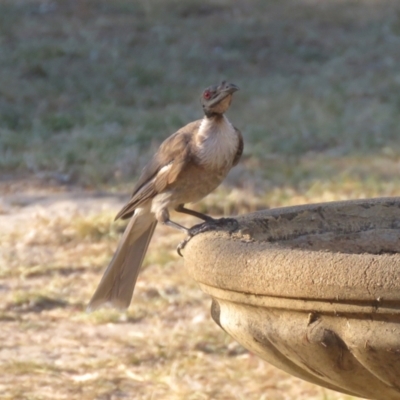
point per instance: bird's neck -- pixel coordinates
(216, 124)
(213, 115)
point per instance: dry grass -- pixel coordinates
(165, 347)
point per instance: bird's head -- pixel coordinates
(217, 99)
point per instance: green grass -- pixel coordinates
(87, 89)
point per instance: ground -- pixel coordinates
(88, 90)
(166, 346)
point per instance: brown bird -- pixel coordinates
(187, 167)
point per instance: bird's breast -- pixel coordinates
(194, 183)
(216, 145)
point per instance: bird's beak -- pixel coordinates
(231, 88)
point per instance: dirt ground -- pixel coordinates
(54, 246)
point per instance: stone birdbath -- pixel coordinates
(313, 290)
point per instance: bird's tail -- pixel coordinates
(116, 286)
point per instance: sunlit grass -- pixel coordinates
(91, 93)
(165, 345)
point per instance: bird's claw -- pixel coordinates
(182, 245)
(205, 227)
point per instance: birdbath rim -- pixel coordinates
(341, 251)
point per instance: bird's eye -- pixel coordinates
(207, 94)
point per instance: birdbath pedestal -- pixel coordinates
(313, 290)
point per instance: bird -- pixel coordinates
(188, 165)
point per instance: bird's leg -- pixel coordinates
(182, 209)
(189, 233)
(210, 224)
(206, 226)
(194, 230)
(175, 225)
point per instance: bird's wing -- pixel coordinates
(163, 169)
(239, 149)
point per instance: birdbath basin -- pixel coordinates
(312, 289)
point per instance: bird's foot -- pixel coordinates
(211, 225)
